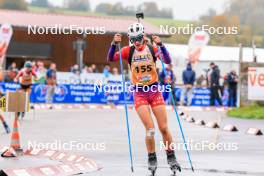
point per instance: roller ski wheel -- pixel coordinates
(153, 173)
(174, 165)
(175, 170)
(152, 163)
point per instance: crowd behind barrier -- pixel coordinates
(89, 93)
(77, 86)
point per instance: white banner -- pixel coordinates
(256, 83)
(6, 33)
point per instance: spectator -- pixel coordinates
(232, 80)
(214, 85)
(169, 80)
(34, 66)
(75, 69)
(51, 81)
(200, 81)
(94, 68)
(188, 77)
(87, 69)
(115, 71)
(41, 72)
(106, 71)
(13, 67)
(11, 74)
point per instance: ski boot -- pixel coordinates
(7, 129)
(152, 163)
(174, 165)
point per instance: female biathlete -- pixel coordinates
(25, 78)
(142, 58)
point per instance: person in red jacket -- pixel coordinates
(142, 57)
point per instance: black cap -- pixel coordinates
(212, 63)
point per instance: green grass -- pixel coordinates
(62, 11)
(154, 21)
(253, 111)
(37, 9)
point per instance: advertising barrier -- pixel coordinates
(100, 94)
(256, 83)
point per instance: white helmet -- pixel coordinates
(135, 30)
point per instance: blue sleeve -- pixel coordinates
(111, 53)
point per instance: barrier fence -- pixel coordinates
(94, 94)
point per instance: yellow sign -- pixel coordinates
(3, 103)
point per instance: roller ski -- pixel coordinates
(174, 165)
(152, 163)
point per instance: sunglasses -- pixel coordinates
(136, 39)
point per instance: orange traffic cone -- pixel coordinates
(15, 141)
(15, 138)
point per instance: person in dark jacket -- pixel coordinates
(169, 80)
(188, 77)
(214, 85)
(232, 80)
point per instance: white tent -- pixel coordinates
(225, 57)
(217, 53)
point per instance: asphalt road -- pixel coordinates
(104, 132)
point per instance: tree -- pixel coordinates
(211, 12)
(247, 15)
(79, 5)
(166, 13)
(40, 3)
(103, 8)
(251, 15)
(117, 9)
(149, 8)
(13, 4)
